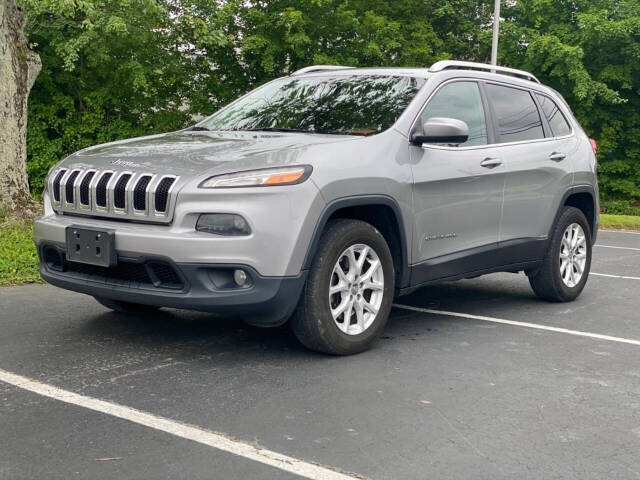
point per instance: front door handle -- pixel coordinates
(557, 156)
(490, 162)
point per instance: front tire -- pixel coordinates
(349, 291)
(126, 307)
(567, 263)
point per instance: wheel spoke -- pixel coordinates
(359, 315)
(373, 286)
(342, 307)
(341, 286)
(574, 237)
(371, 308)
(341, 274)
(353, 264)
(572, 275)
(363, 256)
(372, 269)
(347, 315)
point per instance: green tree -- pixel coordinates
(589, 50)
(111, 69)
(118, 68)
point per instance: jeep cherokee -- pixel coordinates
(319, 197)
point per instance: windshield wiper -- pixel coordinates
(286, 130)
(198, 128)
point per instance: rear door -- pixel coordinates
(457, 192)
(538, 169)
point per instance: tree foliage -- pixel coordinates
(118, 68)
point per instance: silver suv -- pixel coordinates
(318, 197)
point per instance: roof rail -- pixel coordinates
(459, 65)
(319, 68)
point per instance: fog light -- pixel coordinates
(240, 277)
(227, 224)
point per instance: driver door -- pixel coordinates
(457, 191)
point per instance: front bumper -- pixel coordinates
(267, 301)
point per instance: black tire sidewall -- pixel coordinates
(346, 234)
(569, 215)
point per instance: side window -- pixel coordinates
(462, 101)
(557, 121)
(516, 113)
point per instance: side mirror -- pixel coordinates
(441, 130)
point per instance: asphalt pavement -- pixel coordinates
(553, 394)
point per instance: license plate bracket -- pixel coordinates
(95, 246)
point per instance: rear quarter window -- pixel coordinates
(555, 117)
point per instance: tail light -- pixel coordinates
(594, 145)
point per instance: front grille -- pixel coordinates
(120, 192)
(140, 193)
(101, 190)
(68, 189)
(56, 185)
(124, 195)
(84, 188)
(162, 194)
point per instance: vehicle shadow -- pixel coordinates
(186, 333)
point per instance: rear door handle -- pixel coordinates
(557, 156)
(490, 162)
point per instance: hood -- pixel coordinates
(191, 153)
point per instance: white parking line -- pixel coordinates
(621, 248)
(614, 276)
(196, 434)
(537, 326)
(621, 231)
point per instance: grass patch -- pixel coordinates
(18, 257)
(619, 222)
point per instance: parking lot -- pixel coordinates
(501, 385)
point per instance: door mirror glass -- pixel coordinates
(442, 130)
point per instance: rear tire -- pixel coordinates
(566, 266)
(127, 307)
(354, 261)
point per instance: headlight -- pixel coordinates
(267, 177)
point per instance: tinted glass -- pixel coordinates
(557, 122)
(354, 105)
(517, 114)
(462, 101)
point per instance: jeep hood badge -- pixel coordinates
(125, 163)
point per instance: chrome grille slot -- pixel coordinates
(144, 196)
(68, 186)
(120, 192)
(162, 194)
(140, 193)
(84, 188)
(101, 190)
(56, 185)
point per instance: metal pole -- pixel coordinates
(496, 29)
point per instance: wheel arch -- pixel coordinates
(582, 197)
(381, 211)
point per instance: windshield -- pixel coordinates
(349, 105)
